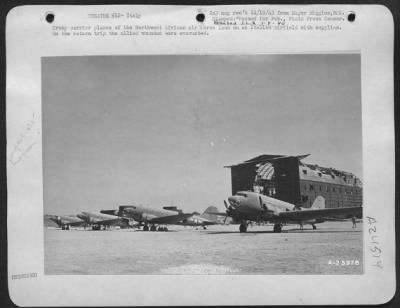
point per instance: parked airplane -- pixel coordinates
(147, 216)
(66, 221)
(97, 220)
(208, 218)
(250, 206)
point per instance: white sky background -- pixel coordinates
(158, 130)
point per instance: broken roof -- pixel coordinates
(267, 157)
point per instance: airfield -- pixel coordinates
(334, 248)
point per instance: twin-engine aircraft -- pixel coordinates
(97, 220)
(250, 206)
(147, 216)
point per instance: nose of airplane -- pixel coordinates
(234, 201)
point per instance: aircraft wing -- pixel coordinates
(319, 213)
(114, 221)
(171, 219)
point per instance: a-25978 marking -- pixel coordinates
(343, 262)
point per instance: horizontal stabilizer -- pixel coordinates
(172, 208)
(109, 212)
(218, 213)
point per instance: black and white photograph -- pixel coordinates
(214, 164)
(200, 155)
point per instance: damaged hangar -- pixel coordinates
(288, 179)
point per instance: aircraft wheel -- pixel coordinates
(314, 227)
(153, 228)
(242, 227)
(67, 228)
(204, 228)
(145, 228)
(62, 227)
(165, 229)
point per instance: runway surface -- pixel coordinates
(334, 248)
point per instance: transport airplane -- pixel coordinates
(208, 218)
(148, 216)
(250, 206)
(66, 221)
(98, 220)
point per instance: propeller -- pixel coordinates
(263, 206)
(230, 210)
(226, 204)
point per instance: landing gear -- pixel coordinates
(314, 227)
(153, 228)
(277, 228)
(96, 227)
(145, 228)
(243, 227)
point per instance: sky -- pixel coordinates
(158, 130)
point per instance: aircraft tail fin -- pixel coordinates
(209, 213)
(319, 203)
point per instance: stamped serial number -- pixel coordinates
(344, 262)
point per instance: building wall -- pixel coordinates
(335, 195)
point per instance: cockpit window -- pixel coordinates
(242, 194)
